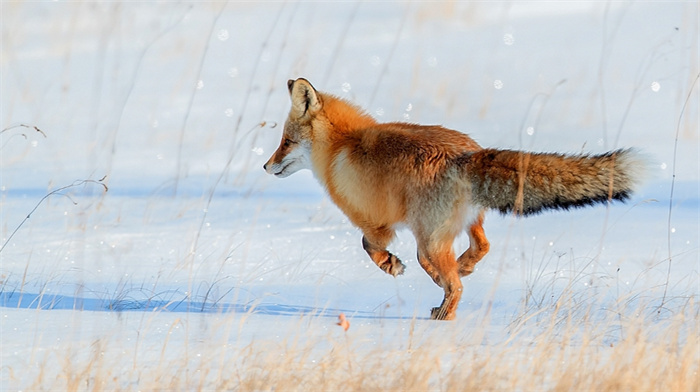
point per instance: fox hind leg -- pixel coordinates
(478, 247)
(439, 262)
(449, 278)
(429, 268)
(375, 242)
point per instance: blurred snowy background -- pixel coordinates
(180, 104)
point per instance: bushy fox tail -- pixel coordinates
(526, 183)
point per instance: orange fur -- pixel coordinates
(436, 181)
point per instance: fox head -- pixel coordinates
(294, 151)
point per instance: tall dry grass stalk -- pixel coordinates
(584, 355)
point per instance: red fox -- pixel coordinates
(433, 180)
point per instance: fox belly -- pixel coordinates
(368, 196)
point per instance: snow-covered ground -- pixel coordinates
(193, 248)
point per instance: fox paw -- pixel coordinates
(441, 314)
(392, 266)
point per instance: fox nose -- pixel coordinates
(265, 167)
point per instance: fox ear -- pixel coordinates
(305, 99)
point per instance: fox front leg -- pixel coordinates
(375, 246)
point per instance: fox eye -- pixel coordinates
(287, 142)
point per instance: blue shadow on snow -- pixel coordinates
(25, 300)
